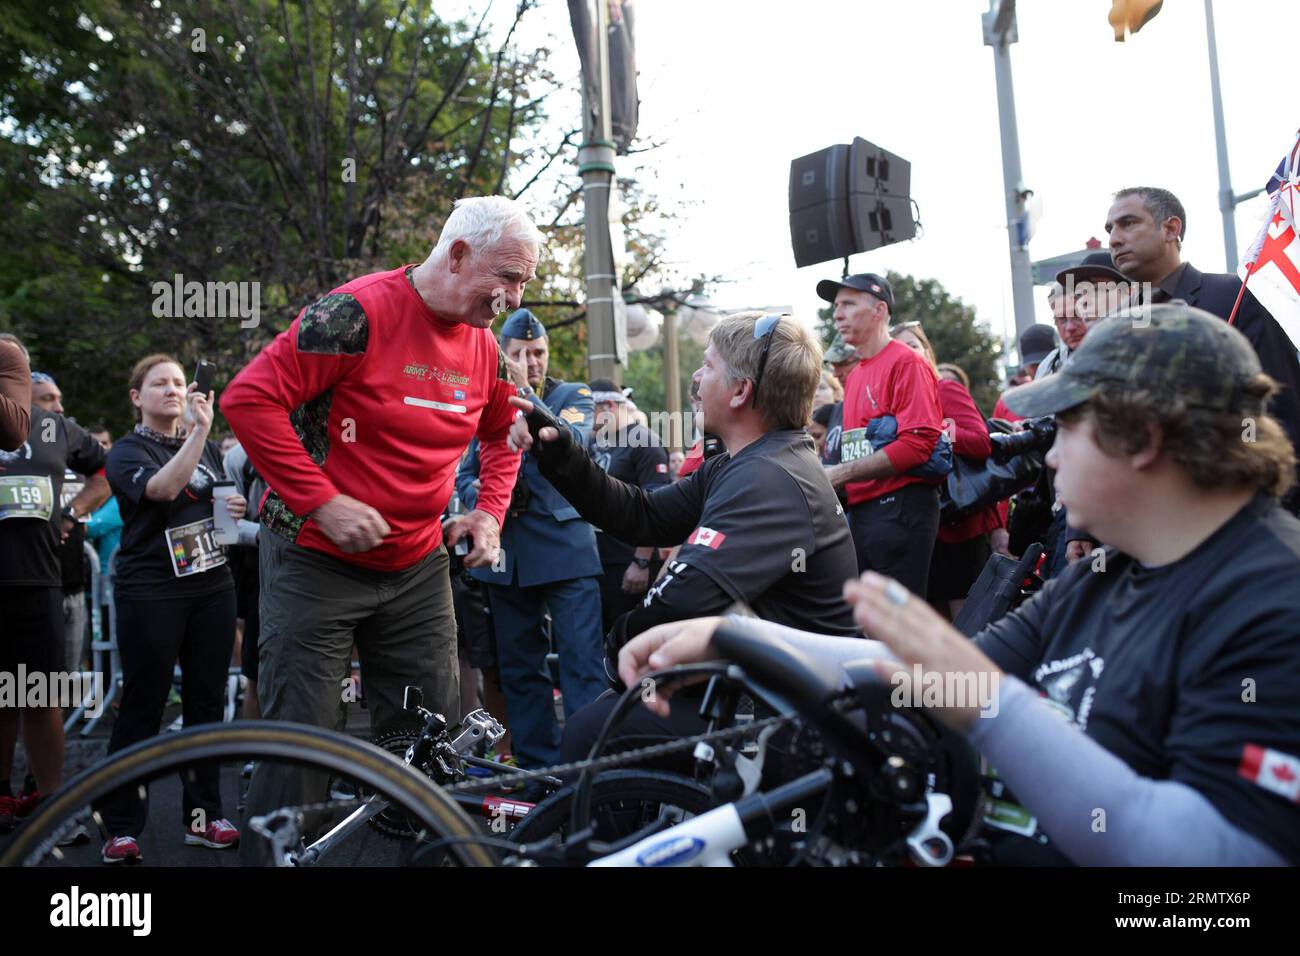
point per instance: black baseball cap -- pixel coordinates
(1095, 267)
(862, 282)
(1036, 343)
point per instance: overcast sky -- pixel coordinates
(736, 90)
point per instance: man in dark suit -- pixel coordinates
(548, 561)
(1146, 227)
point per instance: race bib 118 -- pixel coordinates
(193, 548)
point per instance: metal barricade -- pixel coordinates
(104, 658)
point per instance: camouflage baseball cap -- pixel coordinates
(839, 351)
(1173, 348)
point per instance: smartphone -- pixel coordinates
(226, 525)
(204, 373)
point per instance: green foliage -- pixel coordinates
(645, 373)
(214, 140)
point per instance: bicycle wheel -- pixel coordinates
(622, 802)
(295, 744)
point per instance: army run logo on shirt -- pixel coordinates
(1061, 681)
(202, 480)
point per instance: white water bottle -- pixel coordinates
(225, 524)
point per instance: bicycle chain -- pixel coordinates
(619, 759)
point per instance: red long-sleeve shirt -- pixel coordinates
(970, 437)
(372, 395)
(1000, 410)
(899, 382)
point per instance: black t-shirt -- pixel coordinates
(167, 550)
(638, 457)
(31, 485)
(772, 534)
(1187, 672)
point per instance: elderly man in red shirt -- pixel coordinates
(894, 515)
(357, 417)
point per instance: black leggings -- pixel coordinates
(152, 636)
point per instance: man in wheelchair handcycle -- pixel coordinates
(1140, 709)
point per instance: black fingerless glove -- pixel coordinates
(556, 454)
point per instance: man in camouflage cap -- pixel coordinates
(1182, 351)
(1155, 679)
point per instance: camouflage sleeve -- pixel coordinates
(503, 373)
(334, 325)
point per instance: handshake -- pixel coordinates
(537, 430)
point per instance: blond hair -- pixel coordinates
(833, 383)
(915, 329)
(793, 369)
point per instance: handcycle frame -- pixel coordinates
(807, 689)
(446, 757)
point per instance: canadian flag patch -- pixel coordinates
(1272, 770)
(707, 537)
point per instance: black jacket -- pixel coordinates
(1215, 292)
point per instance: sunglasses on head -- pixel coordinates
(764, 328)
(904, 326)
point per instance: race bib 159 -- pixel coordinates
(26, 496)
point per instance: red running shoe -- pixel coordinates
(121, 849)
(219, 835)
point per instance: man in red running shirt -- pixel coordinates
(357, 417)
(894, 516)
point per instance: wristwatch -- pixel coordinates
(641, 563)
(70, 513)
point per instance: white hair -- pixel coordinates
(484, 221)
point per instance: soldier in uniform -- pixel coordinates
(548, 561)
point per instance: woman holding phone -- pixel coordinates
(175, 597)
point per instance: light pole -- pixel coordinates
(1228, 200)
(596, 166)
(1000, 33)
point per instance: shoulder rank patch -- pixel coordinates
(574, 416)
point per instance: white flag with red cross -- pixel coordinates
(1272, 264)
